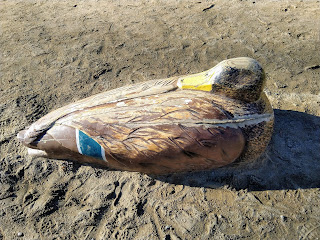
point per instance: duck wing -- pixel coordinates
(180, 128)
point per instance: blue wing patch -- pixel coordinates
(89, 147)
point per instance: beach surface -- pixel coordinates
(56, 52)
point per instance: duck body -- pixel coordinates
(178, 124)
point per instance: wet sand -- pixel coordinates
(57, 52)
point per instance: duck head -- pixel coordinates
(237, 78)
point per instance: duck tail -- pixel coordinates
(29, 137)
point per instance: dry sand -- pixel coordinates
(56, 52)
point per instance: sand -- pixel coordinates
(57, 52)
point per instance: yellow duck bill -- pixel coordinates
(185, 123)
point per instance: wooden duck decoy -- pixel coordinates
(187, 123)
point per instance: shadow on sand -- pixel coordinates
(291, 161)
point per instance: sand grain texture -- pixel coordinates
(57, 52)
